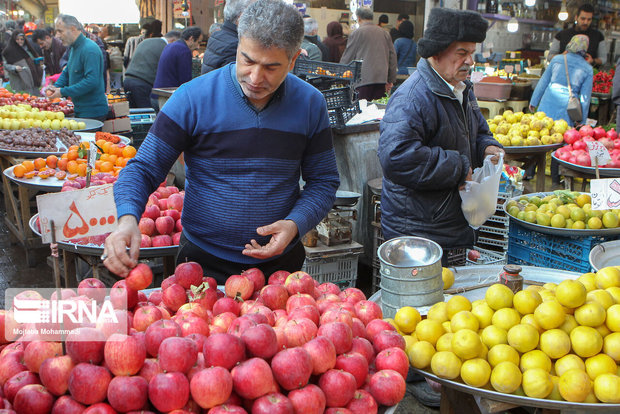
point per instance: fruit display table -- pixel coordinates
(571, 171)
(534, 155)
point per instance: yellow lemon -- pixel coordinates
(567, 362)
(506, 318)
(607, 388)
(466, 344)
(537, 383)
(591, 397)
(476, 372)
(569, 324)
(420, 354)
(484, 313)
(603, 330)
(550, 286)
(523, 337)
(555, 343)
(445, 342)
(583, 199)
(600, 364)
(546, 294)
(502, 352)
(607, 277)
(530, 320)
(446, 365)
(555, 393)
(447, 276)
(535, 359)
(478, 302)
(492, 335)
(407, 318)
(549, 315)
(602, 297)
(586, 341)
(429, 330)
(611, 346)
(499, 296)
(588, 280)
(506, 377)
(571, 293)
(483, 352)
(614, 291)
(438, 312)
(446, 326)
(456, 304)
(526, 301)
(575, 385)
(591, 314)
(464, 320)
(409, 340)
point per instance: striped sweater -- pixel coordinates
(243, 166)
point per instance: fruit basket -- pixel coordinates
(351, 72)
(532, 149)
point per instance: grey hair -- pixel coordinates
(364, 13)
(172, 36)
(273, 23)
(69, 20)
(310, 26)
(234, 8)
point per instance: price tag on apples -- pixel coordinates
(87, 212)
(605, 193)
(598, 153)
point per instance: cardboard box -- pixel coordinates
(118, 109)
(117, 125)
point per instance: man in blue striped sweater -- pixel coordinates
(248, 130)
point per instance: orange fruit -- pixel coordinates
(120, 162)
(81, 160)
(81, 170)
(72, 167)
(107, 166)
(19, 171)
(98, 164)
(28, 165)
(43, 175)
(29, 174)
(113, 158)
(85, 145)
(39, 163)
(72, 154)
(62, 163)
(74, 147)
(100, 142)
(61, 175)
(104, 157)
(52, 161)
(129, 152)
(106, 147)
(116, 150)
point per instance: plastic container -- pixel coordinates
(521, 90)
(492, 91)
(527, 247)
(338, 117)
(351, 72)
(335, 264)
(338, 98)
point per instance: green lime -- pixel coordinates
(513, 211)
(535, 200)
(530, 216)
(531, 207)
(579, 225)
(543, 219)
(577, 214)
(521, 215)
(563, 210)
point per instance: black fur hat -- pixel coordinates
(449, 25)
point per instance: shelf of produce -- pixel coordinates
(532, 149)
(589, 172)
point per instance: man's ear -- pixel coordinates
(292, 65)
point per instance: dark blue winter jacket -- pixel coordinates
(221, 48)
(428, 143)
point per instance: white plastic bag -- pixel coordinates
(479, 198)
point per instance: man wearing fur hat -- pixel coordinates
(433, 135)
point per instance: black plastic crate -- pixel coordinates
(338, 117)
(338, 98)
(351, 72)
(324, 84)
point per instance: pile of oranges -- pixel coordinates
(73, 163)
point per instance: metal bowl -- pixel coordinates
(346, 198)
(605, 254)
(409, 251)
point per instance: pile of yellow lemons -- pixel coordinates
(555, 341)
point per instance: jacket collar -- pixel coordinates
(435, 83)
(80, 39)
(229, 26)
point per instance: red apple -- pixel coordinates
(340, 334)
(140, 277)
(100, 408)
(195, 309)
(367, 311)
(376, 326)
(167, 282)
(124, 355)
(174, 297)
(388, 339)
(352, 295)
(169, 391)
(88, 384)
(211, 386)
(178, 226)
(309, 399)
(323, 354)
(359, 330)
(145, 316)
(299, 282)
(387, 387)
(298, 300)
(67, 405)
(200, 361)
(328, 287)
(150, 369)
(292, 368)
(354, 364)
(226, 305)
(176, 215)
(300, 331)
(260, 341)
(190, 324)
(152, 211)
(326, 301)
(188, 274)
(38, 351)
(128, 393)
(162, 240)
(223, 320)
(55, 372)
(274, 296)
(175, 201)
(252, 378)
(278, 277)
(336, 315)
(177, 354)
(239, 286)
(157, 332)
(256, 276)
(176, 237)
(363, 347)
(306, 311)
(122, 297)
(339, 387)
(147, 226)
(275, 403)
(33, 399)
(85, 345)
(394, 359)
(227, 409)
(223, 350)
(64, 293)
(17, 382)
(363, 403)
(205, 296)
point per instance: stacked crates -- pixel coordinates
(336, 82)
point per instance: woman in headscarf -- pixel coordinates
(551, 93)
(406, 48)
(19, 62)
(335, 42)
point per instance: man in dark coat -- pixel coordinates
(433, 135)
(222, 45)
(53, 51)
(597, 48)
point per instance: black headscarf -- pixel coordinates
(13, 53)
(406, 29)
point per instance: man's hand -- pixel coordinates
(126, 235)
(532, 108)
(494, 151)
(282, 232)
(468, 178)
(388, 87)
(53, 92)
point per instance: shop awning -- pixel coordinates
(101, 12)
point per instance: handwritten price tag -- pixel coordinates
(518, 68)
(86, 212)
(477, 76)
(509, 68)
(598, 153)
(486, 55)
(605, 193)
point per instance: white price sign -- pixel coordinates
(509, 68)
(80, 213)
(477, 76)
(605, 193)
(598, 153)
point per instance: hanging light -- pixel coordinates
(530, 3)
(563, 14)
(513, 25)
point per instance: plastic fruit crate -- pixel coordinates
(456, 257)
(335, 264)
(338, 98)
(351, 72)
(527, 247)
(491, 91)
(338, 117)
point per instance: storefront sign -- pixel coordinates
(76, 214)
(605, 193)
